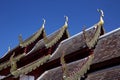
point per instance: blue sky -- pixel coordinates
(25, 17)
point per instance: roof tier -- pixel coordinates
(74, 69)
(20, 51)
(42, 48)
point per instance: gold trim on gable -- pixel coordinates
(13, 63)
(32, 38)
(7, 63)
(29, 67)
(80, 71)
(98, 27)
(58, 37)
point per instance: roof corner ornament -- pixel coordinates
(44, 33)
(86, 37)
(44, 21)
(64, 66)
(101, 22)
(66, 22)
(20, 39)
(13, 63)
(91, 42)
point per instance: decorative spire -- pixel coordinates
(101, 22)
(44, 21)
(20, 38)
(101, 12)
(44, 33)
(66, 22)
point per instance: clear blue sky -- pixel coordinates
(25, 17)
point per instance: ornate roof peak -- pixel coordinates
(66, 21)
(101, 22)
(32, 38)
(44, 21)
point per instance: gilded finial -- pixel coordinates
(44, 21)
(66, 22)
(44, 34)
(101, 22)
(101, 12)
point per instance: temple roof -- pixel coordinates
(19, 50)
(108, 46)
(32, 38)
(76, 42)
(25, 43)
(29, 67)
(7, 63)
(74, 68)
(51, 39)
(56, 58)
(46, 42)
(112, 73)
